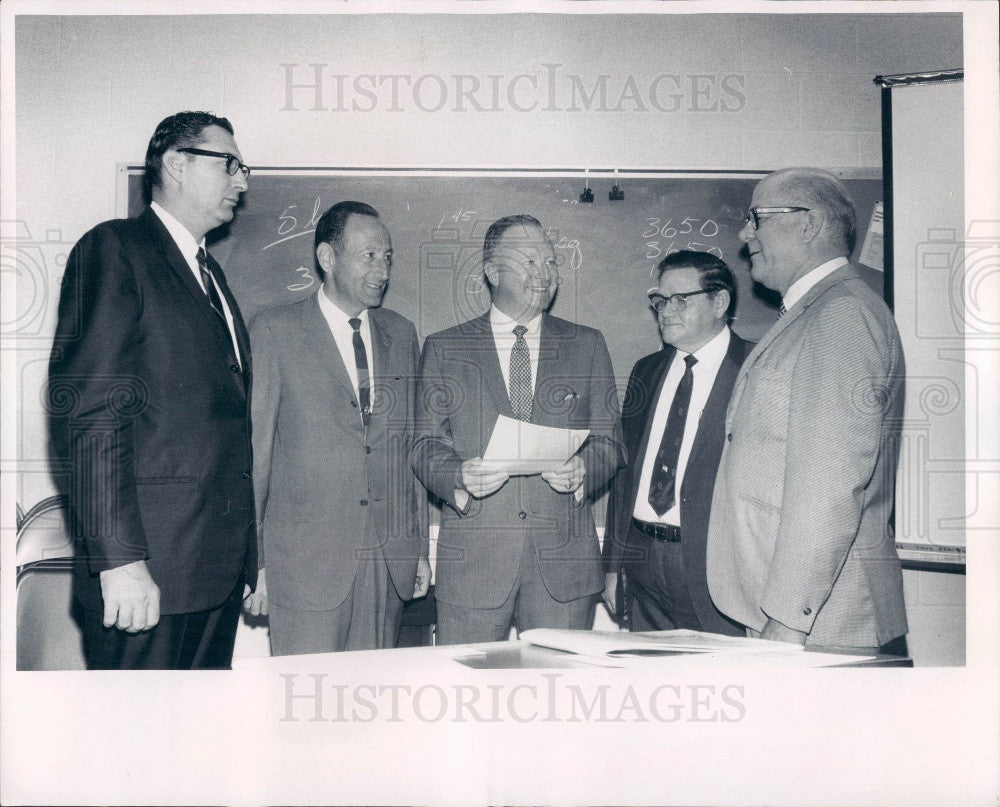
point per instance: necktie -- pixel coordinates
(782, 311)
(361, 362)
(661, 484)
(520, 376)
(209, 283)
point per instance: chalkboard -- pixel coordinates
(608, 250)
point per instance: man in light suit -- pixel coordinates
(149, 385)
(800, 547)
(673, 422)
(515, 550)
(341, 544)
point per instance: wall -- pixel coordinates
(681, 91)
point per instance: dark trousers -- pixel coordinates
(202, 640)
(658, 593)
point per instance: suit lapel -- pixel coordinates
(551, 336)
(382, 361)
(713, 416)
(655, 383)
(843, 273)
(490, 366)
(320, 342)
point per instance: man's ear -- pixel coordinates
(721, 300)
(814, 221)
(326, 257)
(173, 164)
(491, 272)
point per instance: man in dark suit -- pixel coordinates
(673, 421)
(515, 550)
(333, 404)
(149, 400)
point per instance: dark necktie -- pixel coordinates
(361, 362)
(520, 376)
(661, 484)
(208, 282)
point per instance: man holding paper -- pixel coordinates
(515, 549)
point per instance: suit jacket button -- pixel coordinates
(729, 437)
(364, 502)
(807, 611)
(522, 515)
(368, 449)
(246, 474)
(234, 368)
(354, 404)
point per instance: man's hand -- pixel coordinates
(423, 581)
(255, 603)
(610, 587)
(568, 476)
(481, 479)
(779, 632)
(131, 598)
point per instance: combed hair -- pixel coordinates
(181, 129)
(713, 273)
(330, 227)
(499, 227)
(821, 190)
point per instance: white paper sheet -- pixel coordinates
(523, 449)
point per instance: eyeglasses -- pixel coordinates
(233, 163)
(754, 213)
(677, 301)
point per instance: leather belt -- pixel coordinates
(661, 532)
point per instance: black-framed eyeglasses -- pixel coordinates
(233, 163)
(677, 301)
(754, 213)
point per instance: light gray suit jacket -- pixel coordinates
(799, 529)
(326, 496)
(460, 395)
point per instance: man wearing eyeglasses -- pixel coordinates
(149, 388)
(673, 423)
(800, 547)
(517, 550)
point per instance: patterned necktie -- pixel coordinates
(661, 484)
(209, 283)
(782, 311)
(520, 376)
(364, 382)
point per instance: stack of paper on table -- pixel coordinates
(620, 648)
(522, 448)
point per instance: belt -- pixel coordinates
(661, 532)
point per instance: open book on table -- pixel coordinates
(613, 644)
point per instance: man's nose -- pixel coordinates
(747, 233)
(240, 182)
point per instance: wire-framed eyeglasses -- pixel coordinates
(754, 213)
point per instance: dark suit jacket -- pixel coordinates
(641, 398)
(150, 418)
(326, 495)
(460, 395)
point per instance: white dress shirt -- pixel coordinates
(343, 335)
(189, 250)
(799, 288)
(710, 357)
(503, 336)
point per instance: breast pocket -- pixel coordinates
(561, 403)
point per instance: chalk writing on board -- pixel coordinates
(289, 226)
(665, 236)
(307, 280)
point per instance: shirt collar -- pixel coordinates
(181, 235)
(501, 323)
(335, 314)
(713, 351)
(799, 288)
